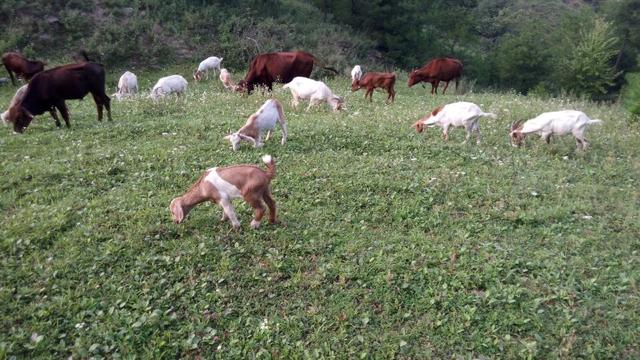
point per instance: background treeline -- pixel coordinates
(580, 47)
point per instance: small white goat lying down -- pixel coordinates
(169, 85)
(356, 73)
(264, 119)
(553, 123)
(459, 114)
(315, 91)
(127, 85)
(210, 63)
(16, 99)
(221, 185)
(225, 77)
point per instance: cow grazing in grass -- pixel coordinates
(265, 69)
(49, 89)
(21, 66)
(441, 69)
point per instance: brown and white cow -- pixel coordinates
(49, 89)
(21, 66)
(436, 70)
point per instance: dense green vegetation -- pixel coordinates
(545, 46)
(390, 244)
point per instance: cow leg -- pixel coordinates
(13, 81)
(446, 85)
(434, 86)
(64, 112)
(392, 95)
(54, 115)
(369, 93)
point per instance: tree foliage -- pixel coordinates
(587, 70)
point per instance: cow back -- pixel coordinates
(279, 67)
(73, 81)
(443, 69)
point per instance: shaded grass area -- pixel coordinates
(390, 243)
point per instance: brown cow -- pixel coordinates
(49, 89)
(18, 64)
(374, 80)
(441, 69)
(265, 69)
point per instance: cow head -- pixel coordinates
(515, 134)
(19, 117)
(355, 86)
(414, 77)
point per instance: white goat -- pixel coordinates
(127, 85)
(169, 85)
(459, 114)
(264, 119)
(210, 63)
(553, 123)
(315, 91)
(16, 99)
(225, 77)
(356, 73)
(222, 185)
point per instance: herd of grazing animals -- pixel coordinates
(47, 90)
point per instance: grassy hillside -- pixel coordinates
(390, 243)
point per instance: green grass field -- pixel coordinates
(391, 244)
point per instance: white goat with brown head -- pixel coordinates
(222, 185)
(459, 114)
(316, 91)
(553, 123)
(264, 119)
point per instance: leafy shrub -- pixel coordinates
(587, 70)
(631, 94)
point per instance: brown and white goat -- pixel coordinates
(222, 185)
(264, 119)
(374, 80)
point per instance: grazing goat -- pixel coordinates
(374, 80)
(17, 98)
(459, 114)
(21, 66)
(225, 77)
(264, 119)
(168, 85)
(222, 185)
(315, 91)
(356, 73)
(553, 123)
(127, 85)
(210, 63)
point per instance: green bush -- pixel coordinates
(631, 94)
(587, 71)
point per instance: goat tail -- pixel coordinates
(594, 121)
(271, 166)
(491, 115)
